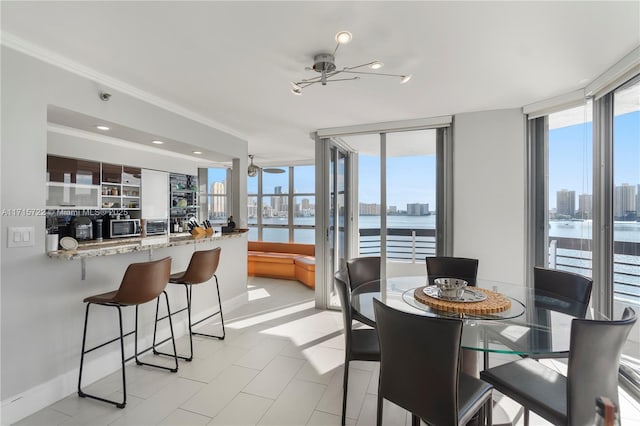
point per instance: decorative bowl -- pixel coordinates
(450, 288)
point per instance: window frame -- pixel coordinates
(290, 196)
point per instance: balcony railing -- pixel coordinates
(402, 244)
(569, 254)
(574, 255)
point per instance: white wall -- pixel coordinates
(489, 192)
(41, 299)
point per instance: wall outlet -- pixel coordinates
(21, 236)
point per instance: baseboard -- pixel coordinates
(26, 403)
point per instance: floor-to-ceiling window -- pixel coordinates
(586, 174)
(569, 194)
(405, 203)
(398, 196)
(626, 192)
(411, 195)
(626, 214)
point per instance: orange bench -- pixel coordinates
(288, 261)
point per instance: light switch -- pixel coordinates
(20, 236)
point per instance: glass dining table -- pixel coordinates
(535, 324)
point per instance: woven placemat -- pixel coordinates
(495, 302)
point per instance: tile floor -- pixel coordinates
(281, 364)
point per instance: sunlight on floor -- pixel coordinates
(259, 293)
(258, 319)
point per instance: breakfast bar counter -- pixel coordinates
(130, 245)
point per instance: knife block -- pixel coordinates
(198, 232)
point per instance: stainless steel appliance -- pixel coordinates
(81, 228)
(156, 226)
(124, 228)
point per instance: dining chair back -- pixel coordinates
(562, 291)
(594, 358)
(362, 270)
(452, 267)
(360, 344)
(420, 368)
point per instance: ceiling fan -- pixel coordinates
(253, 170)
(325, 64)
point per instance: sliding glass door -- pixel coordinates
(338, 216)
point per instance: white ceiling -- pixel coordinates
(232, 62)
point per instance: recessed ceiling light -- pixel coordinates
(343, 37)
(197, 152)
(157, 142)
(376, 65)
(101, 127)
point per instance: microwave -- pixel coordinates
(156, 226)
(124, 228)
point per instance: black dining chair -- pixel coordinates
(594, 357)
(562, 291)
(452, 267)
(360, 344)
(362, 270)
(420, 369)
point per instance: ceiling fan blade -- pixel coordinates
(272, 170)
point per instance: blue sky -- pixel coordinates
(571, 155)
(409, 180)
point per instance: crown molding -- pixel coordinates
(23, 46)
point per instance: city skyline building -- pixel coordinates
(369, 209)
(418, 209)
(585, 203)
(566, 202)
(218, 204)
(624, 200)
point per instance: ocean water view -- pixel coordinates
(626, 266)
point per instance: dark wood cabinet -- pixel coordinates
(71, 170)
(111, 173)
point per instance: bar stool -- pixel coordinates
(142, 282)
(202, 267)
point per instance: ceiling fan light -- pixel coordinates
(376, 65)
(343, 37)
(405, 78)
(252, 170)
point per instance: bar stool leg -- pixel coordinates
(169, 314)
(213, 314)
(173, 341)
(189, 296)
(84, 339)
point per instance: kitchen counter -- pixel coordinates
(130, 245)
